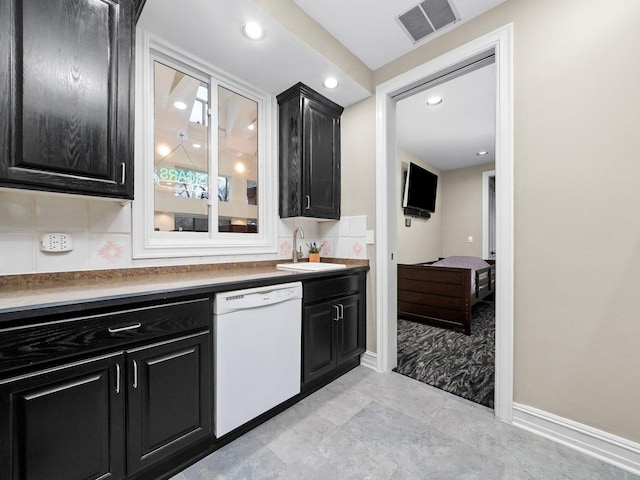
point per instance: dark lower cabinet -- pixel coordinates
(169, 399)
(79, 412)
(333, 326)
(319, 340)
(351, 338)
(65, 423)
(125, 392)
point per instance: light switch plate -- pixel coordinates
(370, 237)
(56, 242)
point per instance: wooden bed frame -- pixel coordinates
(442, 296)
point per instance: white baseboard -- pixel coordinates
(604, 446)
(369, 360)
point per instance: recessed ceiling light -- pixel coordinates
(252, 30)
(163, 150)
(239, 167)
(252, 126)
(180, 105)
(331, 82)
(482, 153)
(433, 101)
(196, 145)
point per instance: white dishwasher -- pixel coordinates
(257, 351)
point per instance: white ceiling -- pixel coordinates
(449, 135)
(211, 30)
(369, 29)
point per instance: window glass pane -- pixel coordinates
(238, 162)
(181, 169)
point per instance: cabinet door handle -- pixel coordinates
(341, 311)
(123, 173)
(135, 374)
(308, 202)
(122, 329)
(117, 378)
(337, 317)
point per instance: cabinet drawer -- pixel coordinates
(322, 289)
(22, 347)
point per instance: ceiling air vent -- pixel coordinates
(427, 18)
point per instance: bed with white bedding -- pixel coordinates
(443, 293)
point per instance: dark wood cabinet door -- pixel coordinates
(318, 340)
(65, 423)
(65, 96)
(351, 339)
(309, 153)
(169, 402)
(138, 5)
(321, 161)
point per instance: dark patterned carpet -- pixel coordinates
(449, 360)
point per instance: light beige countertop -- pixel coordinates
(41, 290)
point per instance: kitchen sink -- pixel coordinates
(310, 266)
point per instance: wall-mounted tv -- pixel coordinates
(420, 189)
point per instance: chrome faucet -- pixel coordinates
(297, 255)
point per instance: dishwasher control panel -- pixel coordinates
(256, 297)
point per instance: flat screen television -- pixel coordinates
(420, 189)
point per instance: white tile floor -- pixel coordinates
(367, 425)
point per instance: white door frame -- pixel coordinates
(501, 41)
(485, 212)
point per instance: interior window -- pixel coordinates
(181, 166)
(205, 182)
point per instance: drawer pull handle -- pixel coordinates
(117, 378)
(308, 198)
(135, 374)
(341, 311)
(123, 329)
(337, 317)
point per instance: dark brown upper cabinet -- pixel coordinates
(66, 96)
(309, 127)
(138, 5)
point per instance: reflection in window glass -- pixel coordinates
(223, 189)
(181, 165)
(238, 161)
(200, 107)
(252, 192)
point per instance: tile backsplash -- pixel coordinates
(101, 233)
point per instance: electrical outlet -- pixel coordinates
(470, 239)
(56, 242)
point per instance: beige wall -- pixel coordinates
(462, 210)
(358, 164)
(577, 240)
(422, 241)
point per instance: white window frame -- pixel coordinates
(148, 243)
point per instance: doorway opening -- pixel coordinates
(387, 95)
(446, 320)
